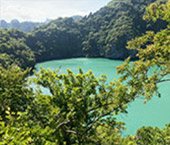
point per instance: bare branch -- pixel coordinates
(161, 81)
(63, 123)
(74, 132)
(71, 131)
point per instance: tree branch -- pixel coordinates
(161, 81)
(106, 114)
(74, 132)
(63, 123)
(100, 106)
(103, 115)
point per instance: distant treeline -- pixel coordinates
(23, 26)
(27, 25)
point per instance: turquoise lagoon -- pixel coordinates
(153, 113)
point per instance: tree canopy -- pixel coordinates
(13, 49)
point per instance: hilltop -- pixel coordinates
(104, 33)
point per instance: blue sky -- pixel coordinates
(39, 10)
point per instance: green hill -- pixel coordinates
(101, 34)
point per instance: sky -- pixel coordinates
(40, 10)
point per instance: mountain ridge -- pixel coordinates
(104, 33)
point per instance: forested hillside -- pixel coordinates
(101, 34)
(61, 38)
(13, 49)
(115, 24)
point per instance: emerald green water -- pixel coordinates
(153, 113)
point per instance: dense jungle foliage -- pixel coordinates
(102, 34)
(82, 109)
(13, 49)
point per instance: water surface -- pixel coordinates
(153, 113)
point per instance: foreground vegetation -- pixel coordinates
(82, 109)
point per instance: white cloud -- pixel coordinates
(21, 13)
(21, 10)
(39, 10)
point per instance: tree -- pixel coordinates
(153, 66)
(82, 106)
(14, 92)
